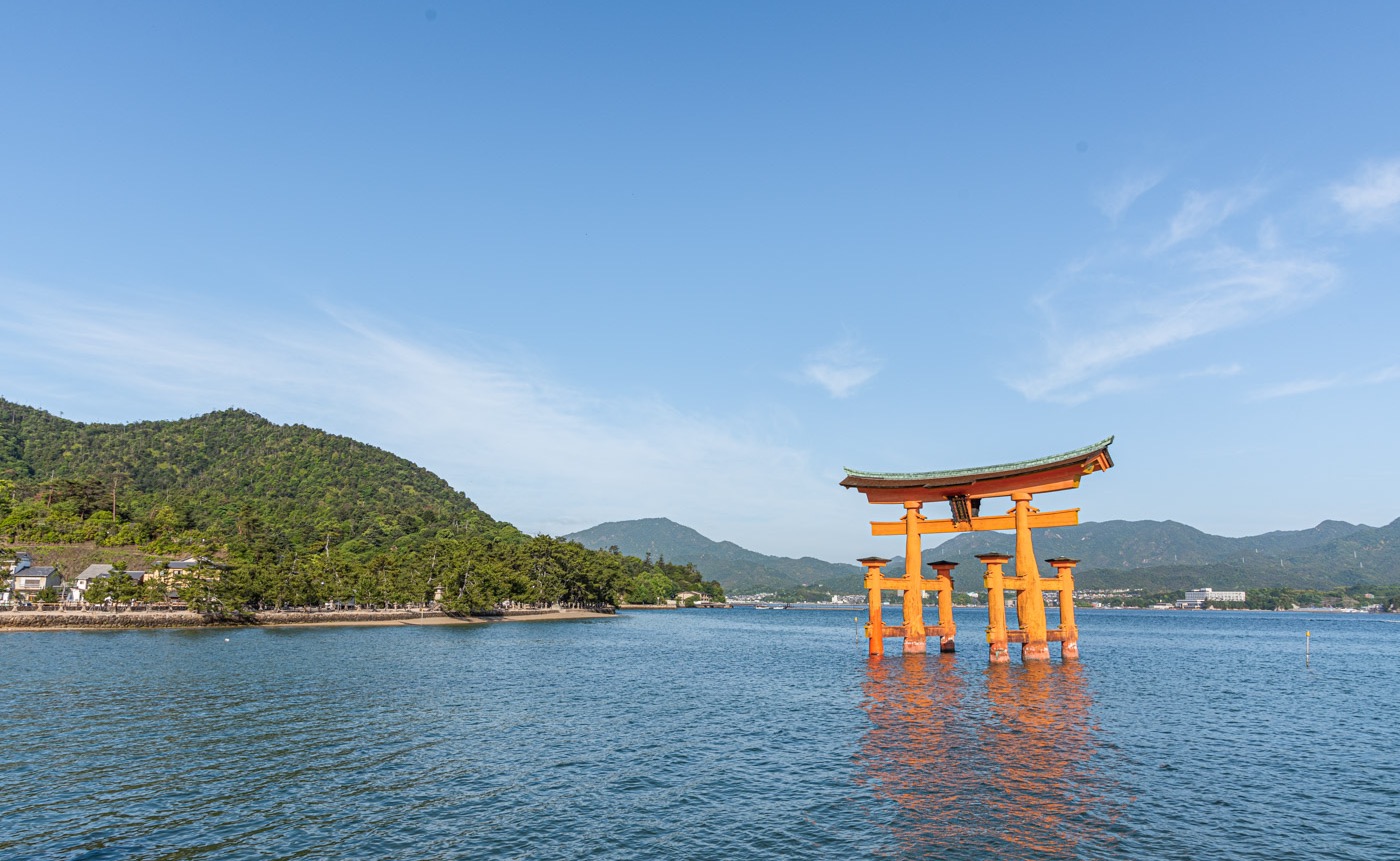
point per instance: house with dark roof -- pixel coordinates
(28, 581)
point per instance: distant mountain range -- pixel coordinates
(1166, 555)
(741, 571)
(1141, 554)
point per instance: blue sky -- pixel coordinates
(594, 262)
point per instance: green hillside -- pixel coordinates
(740, 570)
(185, 484)
(288, 514)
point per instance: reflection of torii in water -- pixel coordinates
(1008, 774)
(964, 490)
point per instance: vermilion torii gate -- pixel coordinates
(964, 490)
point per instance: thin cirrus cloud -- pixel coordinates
(543, 455)
(1310, 385)
(1372, 196)
(1115, 200)
(1201, 212)
(841, 368)
(1189, 282)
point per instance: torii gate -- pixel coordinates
(964, 490)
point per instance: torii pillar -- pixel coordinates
(1030, 601)
(995, 582)
(1069, 631)
(943, 581)
(874, 583)
(915, 640)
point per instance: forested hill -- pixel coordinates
(187, 481)
(740, 570)
(287, 515)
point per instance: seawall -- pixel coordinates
(40, 619)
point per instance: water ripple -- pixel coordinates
(703, 735)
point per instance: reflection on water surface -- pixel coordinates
(995, 761)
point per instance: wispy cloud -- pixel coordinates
(1115, 200)
(1201, 212)
(1373, 195)
(1317, 384)
(841, 368)
(1117, 383)
(1117, 307)
(1230, 370)
(545, 456)
(1218, 291)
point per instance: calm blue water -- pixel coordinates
(704, 735)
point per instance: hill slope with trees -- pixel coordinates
(287, 514)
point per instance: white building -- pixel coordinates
(1198, 598)
(76, 588)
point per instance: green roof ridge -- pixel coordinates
(1002, 467)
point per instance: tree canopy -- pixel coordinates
(287, 515)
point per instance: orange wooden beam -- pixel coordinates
(993, 522)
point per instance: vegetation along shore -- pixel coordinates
(233, 517)
(112, 618)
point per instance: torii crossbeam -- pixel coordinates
(964, 490)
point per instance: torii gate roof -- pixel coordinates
(1042, 474)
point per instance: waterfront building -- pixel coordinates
(1197, 598)
(30, 580)
(76, 588)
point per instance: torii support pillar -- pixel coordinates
(915, 640)
(875, 626)
(1030, 602)
(1069, 631)
(943, 581)
(994, 579)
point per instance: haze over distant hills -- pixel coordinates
(1146, 554)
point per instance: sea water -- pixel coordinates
(705, 734)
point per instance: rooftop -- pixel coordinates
(1053, 472)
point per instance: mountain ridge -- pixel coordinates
(1142, 554)
(738, 568)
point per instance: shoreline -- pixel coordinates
(85, 620)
